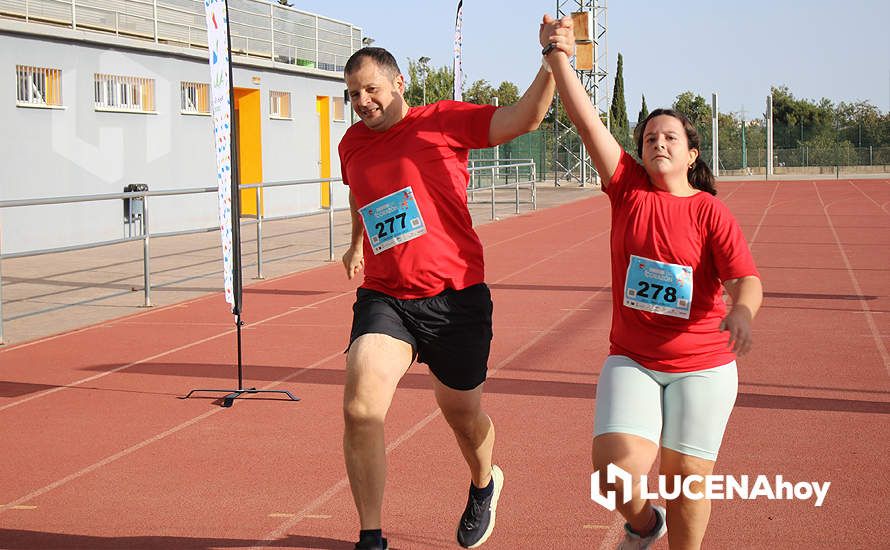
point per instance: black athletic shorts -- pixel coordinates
(450, 332)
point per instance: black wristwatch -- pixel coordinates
(548, 48)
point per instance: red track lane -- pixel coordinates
(101, 454)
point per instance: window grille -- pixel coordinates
(195, 98)
(279, 105)
(124, 93)
(339, 108)
(38, 86)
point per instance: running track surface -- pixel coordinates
(99, 453)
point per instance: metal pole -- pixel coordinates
(555, 161)
(492, 194)
(581, 171)
(272, 31)
(517, 189)
(74, 14)
(259, 237)
(330, 221)
(155, 13)
(473, 182)
(1, 286)
(534, 186)
(769, 135)
(146, 252)
(497, 148)
(715, 138)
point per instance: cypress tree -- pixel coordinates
(644, 112)
(618, 110)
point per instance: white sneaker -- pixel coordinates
(633, 541)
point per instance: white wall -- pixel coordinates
(80, 151)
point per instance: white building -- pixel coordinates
(109, 93)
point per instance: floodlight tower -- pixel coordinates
(590, 63)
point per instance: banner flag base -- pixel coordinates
(229, 399)
(235, 394)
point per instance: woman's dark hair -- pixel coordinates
(381, 57)
(699, 175)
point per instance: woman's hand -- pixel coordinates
(738, 323)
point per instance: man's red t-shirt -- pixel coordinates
(696, 231)
(426, 151)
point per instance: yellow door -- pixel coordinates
(250, 148)
(323, 108)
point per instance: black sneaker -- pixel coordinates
(370, 546)
(477, 522)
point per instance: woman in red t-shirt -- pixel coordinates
(670, 381)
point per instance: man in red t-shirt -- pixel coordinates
(423, 294)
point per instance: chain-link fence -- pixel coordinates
(537, 146)
(552, 165)
(799, 148)
(528, 146)
(742, 150)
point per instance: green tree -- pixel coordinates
(618, 110)
(437, 83)
(860, 123)
(480, 92)
(799, 120)
(644, 112)
(508, 93)
(696, 109)
(730, 128)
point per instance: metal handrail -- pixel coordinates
(253, 21)
(258, 221)
(147, 235)
(495, 170)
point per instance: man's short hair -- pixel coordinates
(380, 56)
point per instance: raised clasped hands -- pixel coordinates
(558, 32)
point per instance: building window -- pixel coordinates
(279, 105)
(339, 115)
(124, 93)
(195, 98)
(38, 86)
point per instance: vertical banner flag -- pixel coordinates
(221, 111)
(458, 38)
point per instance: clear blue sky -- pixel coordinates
(838, 50)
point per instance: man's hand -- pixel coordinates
(353, 261)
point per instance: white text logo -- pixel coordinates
(712, 487)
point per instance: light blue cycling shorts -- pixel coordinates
(686, 412)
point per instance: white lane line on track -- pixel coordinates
(869, 316)
(187, 423)
(883, 207)
(161, 354)
(133, 448)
